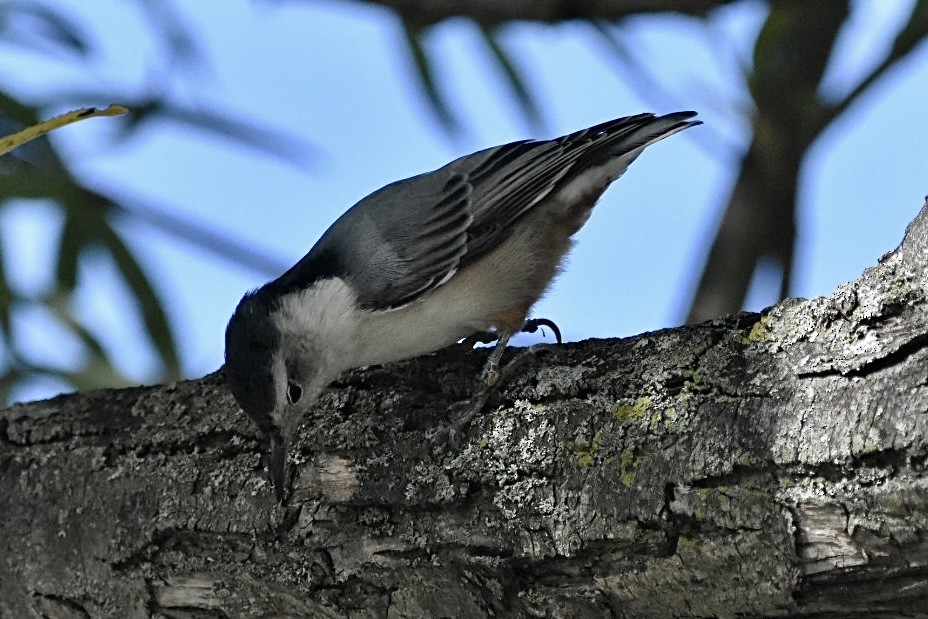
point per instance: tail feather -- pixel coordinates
(615, 145)
(632, 134)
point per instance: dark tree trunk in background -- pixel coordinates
(790, 109)
(791, 55)
(754, 466)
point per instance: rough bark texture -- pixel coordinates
(755, 466)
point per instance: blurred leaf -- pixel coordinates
(642, 78)
(201, 235)
(43, 24)
(70, 244)
(415, 44)
(637, 71)
(86, 225)
(11, 377)
(913, 32)
(16, 114)
(907, 39)
(36, 171)
(96, 373)
(33, 183)
(180, 42)
(156, 322)
(6, 300)
(86, 210)
(246, 132)
(59, 303)
(519, 88)
(791, 53)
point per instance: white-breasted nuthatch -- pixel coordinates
(423, 263)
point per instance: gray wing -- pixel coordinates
(413, 235)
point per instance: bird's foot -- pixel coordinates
(522, 357)
(490, 373)
(463, 413)
(534, 324)
(530, 326)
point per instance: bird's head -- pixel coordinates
(275, 378)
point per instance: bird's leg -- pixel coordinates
(529, 326)
(464, 412)
(490, 373)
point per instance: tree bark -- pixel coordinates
(760, 465)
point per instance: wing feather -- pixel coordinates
(413, 235)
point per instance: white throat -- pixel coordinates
(325, 317)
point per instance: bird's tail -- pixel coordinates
(629, 135)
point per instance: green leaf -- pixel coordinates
(8, 381)
(97, 373)
(156, 321)
(518, 86)
(415, 44)
(72, 242)
(6, 301)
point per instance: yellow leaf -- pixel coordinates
(28, 134)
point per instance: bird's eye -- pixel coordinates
(294, 393)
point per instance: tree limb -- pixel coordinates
(909, 38)
(494, 13)
(756, 465)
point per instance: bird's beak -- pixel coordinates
(277, 467)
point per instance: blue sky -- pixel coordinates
(336, 75)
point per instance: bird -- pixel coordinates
(421, 264)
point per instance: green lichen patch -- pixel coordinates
(585, 451)
(632, 412)
(760, 332)
(629, 466)
(693, 378)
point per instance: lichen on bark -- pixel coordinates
(757, 465)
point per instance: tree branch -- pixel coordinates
(757, 465)
(493, 13)
(908, 39)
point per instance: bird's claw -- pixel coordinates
(491, 374)
(530, 326)
(534, 324)
(462, 414)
